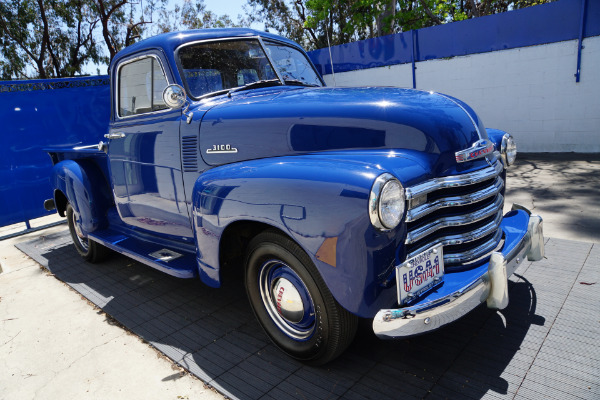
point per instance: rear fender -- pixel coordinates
(86, 189)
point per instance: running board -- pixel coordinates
(173, 262)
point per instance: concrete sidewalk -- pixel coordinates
(56, 344)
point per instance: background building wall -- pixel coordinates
(516, 70)
(529, 92)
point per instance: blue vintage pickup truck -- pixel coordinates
(226, 152)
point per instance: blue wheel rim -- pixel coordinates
(83, 241)
(287, 300)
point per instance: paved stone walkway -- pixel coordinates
(543, 346)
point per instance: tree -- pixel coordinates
(78, 44)
(312, 22)
(192, 14)
(56, 38)
(45, 38)
(119, 29)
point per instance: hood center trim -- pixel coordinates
(466, 112)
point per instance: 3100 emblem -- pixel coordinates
(221, 148)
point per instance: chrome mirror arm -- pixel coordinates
(189, 115)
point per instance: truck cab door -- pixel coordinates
(144, 150)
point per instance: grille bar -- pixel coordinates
(477, 252)
(456, 220)
(470, 236)
(453, 181)
(452, 201)
(463, 213)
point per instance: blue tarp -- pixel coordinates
(39, 114)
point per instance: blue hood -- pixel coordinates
(289, 120)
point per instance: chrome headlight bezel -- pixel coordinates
(386, 185)
(508, 149)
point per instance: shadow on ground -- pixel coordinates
(213, 334)
(562, 188)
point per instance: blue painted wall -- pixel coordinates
(35, 115)
(548, 23)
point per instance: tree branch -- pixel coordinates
(430, 14)
(299, 5)
(37, 62)
(46, 39)
(474, 9)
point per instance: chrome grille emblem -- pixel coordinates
(480, 148)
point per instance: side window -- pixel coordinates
(141, 84)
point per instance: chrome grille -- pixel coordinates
(462, 212)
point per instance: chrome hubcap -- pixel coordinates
(287, 300)
(83, 242)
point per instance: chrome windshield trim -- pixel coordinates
(458, 220)
(264, 49)
(454, 181)
(461, 238)
(260, 40)
(452, 201)
(213, 40)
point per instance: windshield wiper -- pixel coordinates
(255, 85)
(211, 94)
(298, 82)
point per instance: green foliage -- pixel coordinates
(57, 38)
(310, 22)
(192, 14)
(45, 38)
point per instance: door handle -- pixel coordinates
(116, 135)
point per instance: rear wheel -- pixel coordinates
(88, 249)
(292, 302)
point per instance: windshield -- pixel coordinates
(292, 64)
(214, 67)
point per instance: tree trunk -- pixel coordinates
(46, 40)
(474, 9)
(389, 10)
(433, 17)
(104, 19)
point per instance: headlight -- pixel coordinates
(386, 202)
(509, 149)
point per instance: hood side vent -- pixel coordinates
(189, 153)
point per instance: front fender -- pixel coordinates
(321, 203)
(495, 136)
(86, 189)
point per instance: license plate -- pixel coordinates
(420, 273)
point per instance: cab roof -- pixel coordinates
(168, 42)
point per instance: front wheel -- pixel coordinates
(292, 303)
(88, 249)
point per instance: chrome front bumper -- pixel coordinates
(491, 287)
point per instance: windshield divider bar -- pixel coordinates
(271, 61)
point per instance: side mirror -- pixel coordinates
(174, 96)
